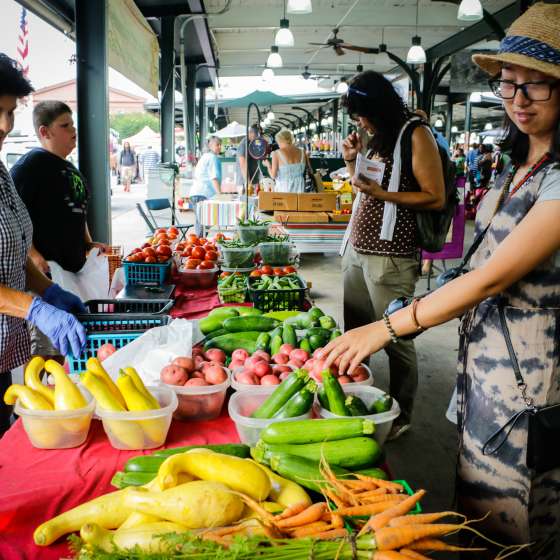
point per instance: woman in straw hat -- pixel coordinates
(516, 269)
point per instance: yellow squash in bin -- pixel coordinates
(94, 365)
(67, 396)
(28, 397)
(195, 504)
(136, 519)
(131, 372)
(239, 474)
(32, 378)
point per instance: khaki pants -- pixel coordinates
(371, 282)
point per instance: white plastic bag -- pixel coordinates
(91, 282)
(451, 413)
(153, 350)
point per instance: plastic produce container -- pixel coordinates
(252, 234)
(242, 404)
(275, 253)
(57, 429)
(237, 257)
(195, 278)
(140, 430)
(199, 403)
(369, 395)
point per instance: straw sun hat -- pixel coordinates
(532, 41)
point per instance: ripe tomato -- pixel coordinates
(138, 250)
(266, 269)
(219, 236)
(162, 258)
(206, 265)
(149, 252)
(164, 250)
(180, 247)
(192, 263)
(255, 273)
(150, 260)
(160, 230)
(278, 272)
(202, 240)
(225, 274)
(211, 256)
(209, 247)
(289, 270)
(144, 245)
(192, 238)
(187, 252)
(172, 235)
(172, 229)
(198, 253)
(164, 242)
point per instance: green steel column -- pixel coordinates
(467, 122)
(93, 112)
(344, 124)
(167, 87)
(449, 119)
(190, 129)
(202, 117)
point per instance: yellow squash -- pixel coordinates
(134, 399)
(195, 504)
(32, 378)
(67, 396)
(136, 519)
(94, 365)
(27, 397)
(130, 371)
(101, 392)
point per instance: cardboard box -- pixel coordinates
(317, 202)
(340, 218)
(278, 201)
(301, 217)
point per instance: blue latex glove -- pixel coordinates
(63, 329)
(64, 300)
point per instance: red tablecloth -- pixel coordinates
(193, 303)
(36, 484)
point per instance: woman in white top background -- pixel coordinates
(288, 164)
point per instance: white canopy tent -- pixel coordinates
(232, 130)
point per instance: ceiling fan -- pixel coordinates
(339, 45)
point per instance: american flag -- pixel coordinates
(23, 42)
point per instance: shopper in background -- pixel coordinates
(514, 281)
(49, 310)
(207, 177)
(288, 164)
(150, 161)
(485, 161)
(472, 166)
(245, 162)
(459, 159)
(127, 166)
(379, 267)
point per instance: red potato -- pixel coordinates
(270, 380)
(215, 375)
(216, 355)
(240, 355)
(198, 361)
(281, 369)
(358, 371)
(105, 350)
(250, 363)
(280, 358)
(174, 375)
(234, 364)
(362, 376)
(196, 382)
(285, 374)
(262, 369)
(197, 373)
(295, 363)
(197, 351)
(184, 362)
(263, 355)
(286, 349)
(300, 355)
(247, 377)
(188, 407)
(343, 379)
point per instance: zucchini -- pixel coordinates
(356, 406)
(282, 394)
(383, 404)
(315, 313)
(316, 341)
(223, 312)
(304, 472)
(236, 449)
(335, 394)
(276, 332)
(245, 310)
(124, 479)
(232, 341)
(316, 431)
(143, 463)
(300, 403)
(250, 323)
(281, 315)
(275, 344)
(374, 472)
(323, 399)
(214, 334)
(350, 453)
(327, 322)
(305, 345)
(263, 342)
(289, 335)
(318, 331)
(210, 324)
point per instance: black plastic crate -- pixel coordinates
(95, 306)
(277, 300)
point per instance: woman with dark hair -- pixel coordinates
(127, 165)
(381, 262)
(509, 362)
(47, 311)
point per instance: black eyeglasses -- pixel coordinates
(533, 91)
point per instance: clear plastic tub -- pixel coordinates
(237, 257)
(57, 429)
(195, 278)
(242, 404)
(276, 253)
(369, 395)
(199, 403)
(140, 430)
(252, 234)
(237, 386)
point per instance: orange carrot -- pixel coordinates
(421, 518)
(375, 492)
(332, 534)
(339, 503)
(391, 538)
(393, 487)
(366, 509)
(292, 510)
(436, 545)
(388, 555)
(380, 520)
(359, 485)
(308, 515)
(412, 554)
(383, 498)
(337, 521)
(310, 529)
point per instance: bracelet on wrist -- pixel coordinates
(392, 333)
(349, 160)
(419, 328)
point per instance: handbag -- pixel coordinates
(543, 423)
(310, 186)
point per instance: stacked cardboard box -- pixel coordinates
(310, 208)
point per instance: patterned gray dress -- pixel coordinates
(524, 507)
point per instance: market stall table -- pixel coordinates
(222, 212)
(38, 484)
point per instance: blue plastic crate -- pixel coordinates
(147, 274)
(113, 328)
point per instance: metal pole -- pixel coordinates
(202, 117)
(167, 85)
(468, 119)
(449, 119)
(190, 106)
(93, 111)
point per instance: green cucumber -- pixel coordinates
(318, 331)
(210, 324)
(289, 335)
(250, 323)
(263, 342)
(327, 322)
(374, 472)
(214, 334)
(335, 394)
(230, 342)
(223, 312)
(275, 344)
(356, 406)
(276, 332)
(245, 311)
(282, 394)
(305, 472)
(236, 449)
(124, 479)
(299, 404)
(315, 431)
(335, 334)
(323, 399)
(383, 404)
(281, 315)
(349, 453)
(315, 313)
(305, 345)
(316, 341)
(143, 463)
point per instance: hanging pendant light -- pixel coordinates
(274, 58)
(470, 10)
(299, 7)
(284, 37)
(342, 86)
(454, 130)
(270, 115)
(267, 73)
(416, 54)
(438, 123)
(488, 126)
